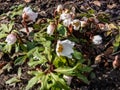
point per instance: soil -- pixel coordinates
(103, 76)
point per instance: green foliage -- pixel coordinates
(6, 28)
(14, 80)
(116, 43)
(15, 11)
(62, 30)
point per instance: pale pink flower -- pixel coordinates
(29, 15)
(11, 39)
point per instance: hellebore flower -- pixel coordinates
(11, 39)
(65, 48)
(83, 23)
(76, 24)
(68, 79)
(29, 15)
(67, 22)
(51, 28)
(59, 8)
(64, 16)
(97, 39)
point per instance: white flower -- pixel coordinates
(83, 23)
(29, 15)
(59, 8)
(50, 29)
(67, 22)
(65, 48)
(97, 39)
(76, 24)
(68, 79)
(11, 39)
(64, 16)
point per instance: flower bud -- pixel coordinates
(51, 28)
(97, 39)
(11, 39)
(59, 8)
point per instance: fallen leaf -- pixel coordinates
(27, 1)
(116, 62)
(98, 58)
(98, 3)
(111, 6)
(1, 54)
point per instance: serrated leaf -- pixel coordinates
(20, 60)
(67, 70)
(32, 82)
(59, 61)
(2, 35)
(44, 83)
(13, 80)
(7, 48)
(59, 82)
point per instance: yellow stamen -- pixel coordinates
(76, 24)
(60, 48)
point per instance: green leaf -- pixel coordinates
(4, 28)
(36, 49)
(62, 30)
(91, 11)
(32, 82)
(33, 63)
(20, 60)
(59, 61)
(7, 67)
(30, 45)
(77, 55)
(44, 83)
(85, 68)
(7, 48)
(59, 82)
(12, 80)
(19, 72)
(82, 77)
(36, 73)
(67, 70)
(2, 35)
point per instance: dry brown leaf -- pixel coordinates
(116, 62)
(111, 6)
(27, 1)
(108, 51)
(1, 54)
(98, 58)
(98, 3)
